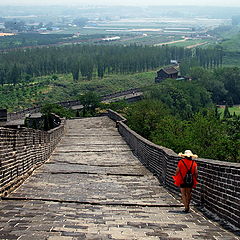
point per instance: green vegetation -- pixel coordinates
(89, 60)
(29, 40)
(48, 120)
(119, 69)
(183, 117)
(181, 98)
(223, 83)
(32, 39)
(147, 39)
(119, 106)
(57, 109)
(58, 88)
(190, 42)
(232, 44)
(232, 110)
(90, 101)
(228, 39)
(72, 70)
(32, 76)
(20, 96)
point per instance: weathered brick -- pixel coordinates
(23, 150)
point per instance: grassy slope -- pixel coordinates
(64, 88)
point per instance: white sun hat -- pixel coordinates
(187, 153)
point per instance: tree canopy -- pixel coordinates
(181, 116)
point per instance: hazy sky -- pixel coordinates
(122, 2)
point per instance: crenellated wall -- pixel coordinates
(22, 150)
(219, 182)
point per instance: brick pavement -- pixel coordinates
(94, 188)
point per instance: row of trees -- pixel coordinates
(87, 61)
(208, 58)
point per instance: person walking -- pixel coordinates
(186, 177)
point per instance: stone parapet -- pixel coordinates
(116, 117)
(218, 190)
(22, 150)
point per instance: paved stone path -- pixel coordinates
(94, 188)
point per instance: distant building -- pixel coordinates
(174, 62)
(168, 72)
(111, 39)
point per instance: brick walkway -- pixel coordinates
(94, 188)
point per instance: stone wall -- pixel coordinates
(21, 114)
(22, 150)
(3, 115)
(68, 104)
(118, 94)
(218, 190)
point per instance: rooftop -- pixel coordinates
(170, 70)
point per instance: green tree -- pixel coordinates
(15, 75)
(226, 113)
(210, 81)
(59, 110)
(230, 77)
(144, 116)
(170, 133)
(90, 102)
(208, 137)
(183, 98)
(233, 130)
(3, 76)
(75, 70)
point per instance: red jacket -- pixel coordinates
(178, 179)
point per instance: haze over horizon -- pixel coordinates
(230, 3)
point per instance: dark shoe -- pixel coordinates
(186, 210)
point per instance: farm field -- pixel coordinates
(129, 30)
(190, 43)
(150, 31)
